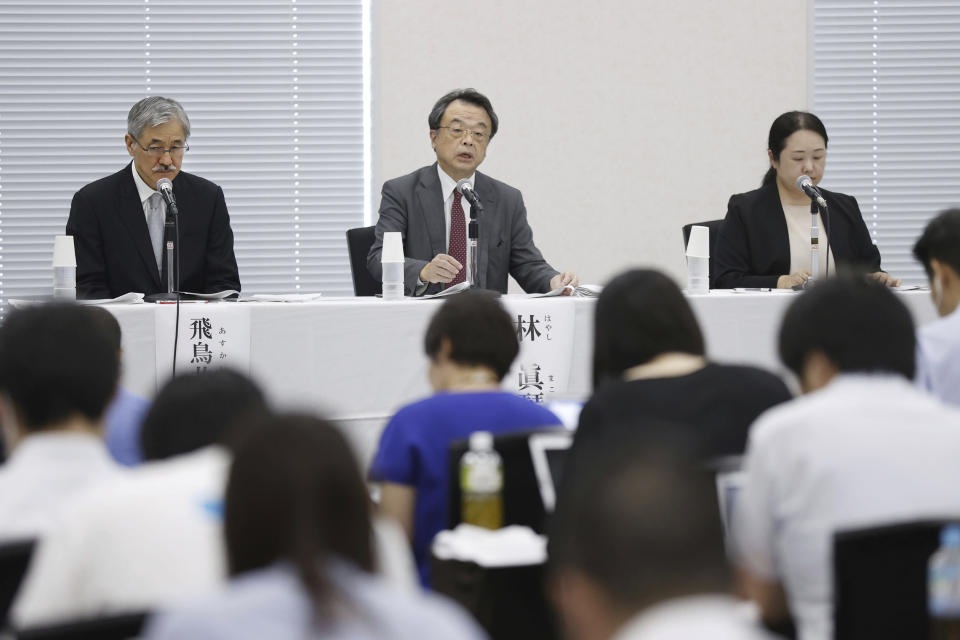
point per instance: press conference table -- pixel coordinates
(356, 360)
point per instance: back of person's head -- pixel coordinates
(641, 522)
(478, 330)
(857, 323)
(296, 494)
(57, 362)
(640, 315)
(940, 241)
(109, 323)
(195, 411)
(785, 126)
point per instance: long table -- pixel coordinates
(357, 360)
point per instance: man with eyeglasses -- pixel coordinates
(117, 222)
(426, 207)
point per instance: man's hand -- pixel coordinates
(442, 268)
(564, 279)
(793, 280)
(885, 278)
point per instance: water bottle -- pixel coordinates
(391, 264)
(943, 586)
(481, 483)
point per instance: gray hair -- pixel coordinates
(155, 110)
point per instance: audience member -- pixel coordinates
(471, 344)
(126, 412)
(636, 547)
(649, 364)
(58, 371)
(298, 541)
(938, 343)
(863, 447)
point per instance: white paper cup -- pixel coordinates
(63, 252)
(392, 247)
(699, 243)
(698, 274)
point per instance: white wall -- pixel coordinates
(620, 120)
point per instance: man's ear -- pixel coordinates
(129, 142)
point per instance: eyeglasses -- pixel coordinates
(459, 133)
(158, 152)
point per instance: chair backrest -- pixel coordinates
(14, 560)
(880, 580)
(714, 227)
(359, 241)
(124, 626)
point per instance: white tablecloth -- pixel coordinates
(356, 360)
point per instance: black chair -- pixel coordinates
(116, 627)
(880, 580)
(359, 241)
(714, 227)
(14, 560)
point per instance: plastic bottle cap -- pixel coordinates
(481, 441)
(950, 535)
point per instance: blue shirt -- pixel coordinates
(415, 448)
(122, 423)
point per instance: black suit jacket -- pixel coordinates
(413, 205)
(114, 253)
(753, 246)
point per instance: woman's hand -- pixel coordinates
(793, 280)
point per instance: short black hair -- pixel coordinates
(471, 96)
(195, 411)
(941, 241)
(479, 330)
(785, 126)
(641, 314)
(57, 361)
(295, 493)
(859, 324)
(109, 323)
(641, 520)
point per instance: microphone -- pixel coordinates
(165, 187)
(466, 190)
(805, 184)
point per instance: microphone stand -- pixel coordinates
(473, 234)
(171, 234)
(814, 243)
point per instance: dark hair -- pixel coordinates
(479, 330)
(195, 411)
(641, 520)
(57, 361)
(785, 126)
(471, 96)
(295, 493)
(857, 323)
(641, 314)
(109, 323)
(940, 241)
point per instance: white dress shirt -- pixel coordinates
(938, 357)
(145, 192)
(44, 473)
(864, 450)
(716, 617)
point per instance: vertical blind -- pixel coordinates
(886, 82)
(275, 95)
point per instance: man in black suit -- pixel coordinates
(425, 207)
(117, 221)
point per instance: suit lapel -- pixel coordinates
(773, 216)
(130, 211)
(431, 204)
(490, 222)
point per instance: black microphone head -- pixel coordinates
(804, 181)
(164, 184)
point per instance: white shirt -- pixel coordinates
(938, 357)
(45, 472)
(145, 192)
(716, 617)
(271, 603)
(864, 450)
(798, 231)
(146, 543)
